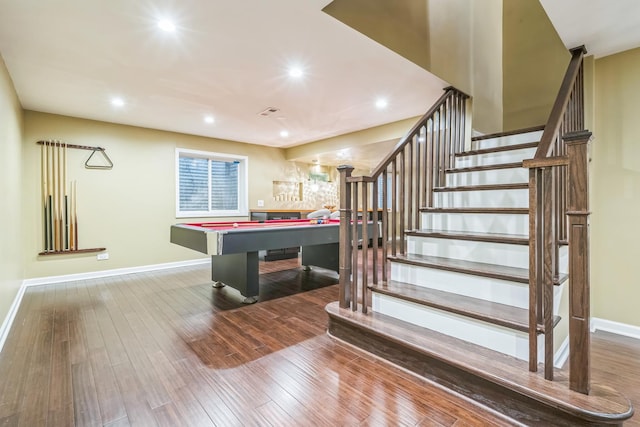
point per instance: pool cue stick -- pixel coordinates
(72, 245)
(51, 230)
(43, 183)
(75, 213)
(54, 215)
(49, 198)
(64, 188)
(59, 194)
(57, 198)
(49, 153)
(54, 210)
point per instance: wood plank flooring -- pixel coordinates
(166, 349)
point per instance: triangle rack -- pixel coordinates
(107, 165)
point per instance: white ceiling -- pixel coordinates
(228, 59)
(605, 27)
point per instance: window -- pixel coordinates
(210, 184)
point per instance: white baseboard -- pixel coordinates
(618, 328)
(37, 281)
(13, 310)
(562, 354)
(8, 320)
(624, 329)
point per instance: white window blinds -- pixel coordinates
(210, 184)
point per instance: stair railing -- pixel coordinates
(393, 194)
(558, 190)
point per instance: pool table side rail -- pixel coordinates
(238, 240)
(196, 238)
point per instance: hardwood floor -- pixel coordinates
(165, 348)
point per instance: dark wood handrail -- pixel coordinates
(393, 194)
(407, 137)
(558, 211)
(552, 127)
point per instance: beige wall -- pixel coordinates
(391, 131)
(403, 29)
(466, 50)
(615, 236)
(534, 62)
(486, 71)
(459, 41)
(130, 208)
(11, 264)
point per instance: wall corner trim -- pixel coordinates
(624, 329)
(13, 310)
(562, 354)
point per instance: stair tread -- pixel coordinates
(497, 166)
(498, 149)
(484, 187)
(498, 368)
(516, 239)
(495, 271)
(508, 133)
(470, 267)
(520, 211)
(487, 311)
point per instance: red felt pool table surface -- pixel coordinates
(229, 225)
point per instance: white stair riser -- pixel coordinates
(486, 288)
(563, 260)
(487, 252)
(497, 338)
(495, 158)
(482, 199)
(483, 222)
(521, 138)
(497, 176)
(495, 290)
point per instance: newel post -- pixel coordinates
(579, 282)
(344, 263)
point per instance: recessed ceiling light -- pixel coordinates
(381, 103)
(295, 72)
(209, 119)
(284, 133)
(166, 25)
(117, 102)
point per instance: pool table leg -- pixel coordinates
(324, 255)
(240, 271)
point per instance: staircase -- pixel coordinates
(465, 283)
(465, 270)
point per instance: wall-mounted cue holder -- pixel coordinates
(59, 197)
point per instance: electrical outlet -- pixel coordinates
(260, 203)
(103, 256)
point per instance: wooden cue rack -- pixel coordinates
(59, 197)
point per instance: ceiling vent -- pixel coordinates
(269, 111)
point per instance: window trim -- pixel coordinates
(243, 184)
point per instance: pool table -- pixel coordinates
(234, 247)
